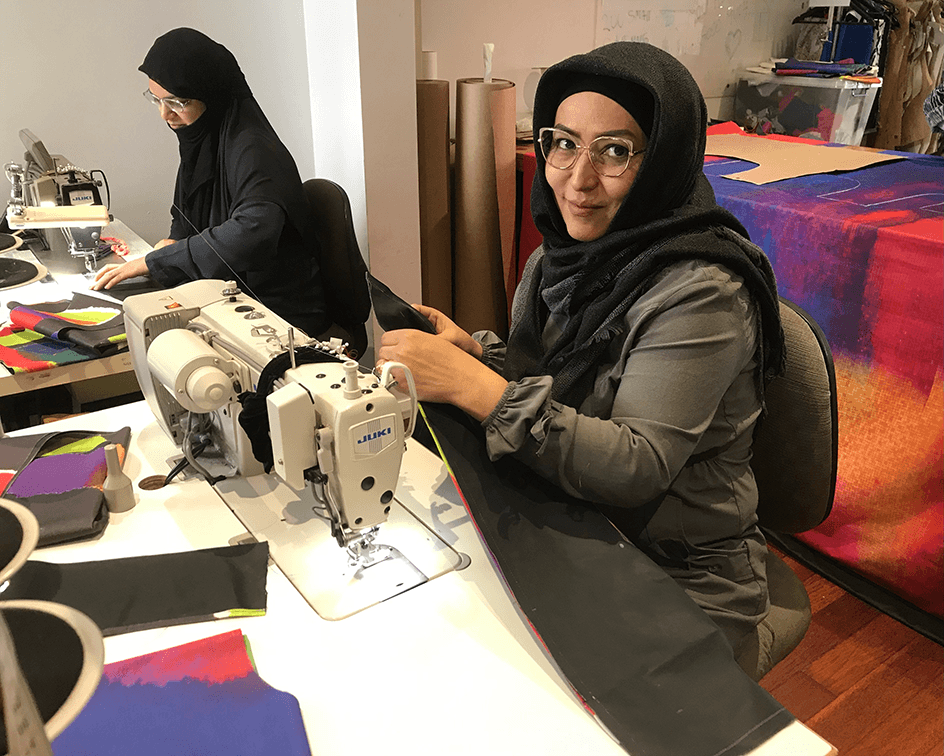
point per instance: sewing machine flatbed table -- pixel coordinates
(447, 667)
(406, 554)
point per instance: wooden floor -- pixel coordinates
(863, 681)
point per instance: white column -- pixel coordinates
(362, 80)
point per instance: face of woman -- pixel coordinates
(193, 110)
(588, 201)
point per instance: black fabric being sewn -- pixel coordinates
(650, 664)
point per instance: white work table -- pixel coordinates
(449, 666)
(65, 281)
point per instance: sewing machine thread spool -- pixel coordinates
(352, 387)
(119, 494)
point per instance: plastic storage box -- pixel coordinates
(834, 110)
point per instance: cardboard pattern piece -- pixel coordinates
(778, 160)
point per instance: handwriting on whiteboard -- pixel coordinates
(672, 25)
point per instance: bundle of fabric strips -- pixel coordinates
(41, 336)
(820, 69)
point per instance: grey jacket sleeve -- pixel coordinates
(493, 349)
(686, 341)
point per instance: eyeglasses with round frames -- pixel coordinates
(174, 103)
(609, 155)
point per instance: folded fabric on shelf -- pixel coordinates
(794, 67)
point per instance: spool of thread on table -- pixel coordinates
(119, 494)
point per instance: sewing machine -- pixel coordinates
(49, 193)
(334, 428)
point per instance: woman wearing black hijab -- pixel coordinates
(239, 209)
(643, 332)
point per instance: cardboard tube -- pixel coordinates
(484, 203)
(432, 120)
(430, 62)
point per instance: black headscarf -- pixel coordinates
(669, 215)
(231, 155)
(191, 66)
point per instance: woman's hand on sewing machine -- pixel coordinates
(448, 330)
(117, 272)
(443, 372)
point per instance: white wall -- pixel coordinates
(526, 34)
(335, 100)
(361, 56)
(68, 72)
(538, 33)
(386, 31)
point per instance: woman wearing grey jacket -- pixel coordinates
(643, 332)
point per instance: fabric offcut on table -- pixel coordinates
(646, 661)
(59, 478)
(41, 336)
(160, 590)
(202, 697)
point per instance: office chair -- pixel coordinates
(794, 463)
(343, 271)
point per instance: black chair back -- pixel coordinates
(796, 443)
(343, 269)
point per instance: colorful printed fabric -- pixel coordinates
(794, 67)
(59, 477)
(56, 463)
(202, 698)
(42, 336)
(861, 252)
(24, 351)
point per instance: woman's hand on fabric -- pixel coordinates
(117, 272)
(443, 372)
(448, 330)
(164, 243)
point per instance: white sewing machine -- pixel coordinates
(49, 193)
(333, 427)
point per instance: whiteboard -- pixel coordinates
(713, 38)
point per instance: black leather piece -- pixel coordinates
(392, 313)
(11, 537)
(652, 666)
(137, 593)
